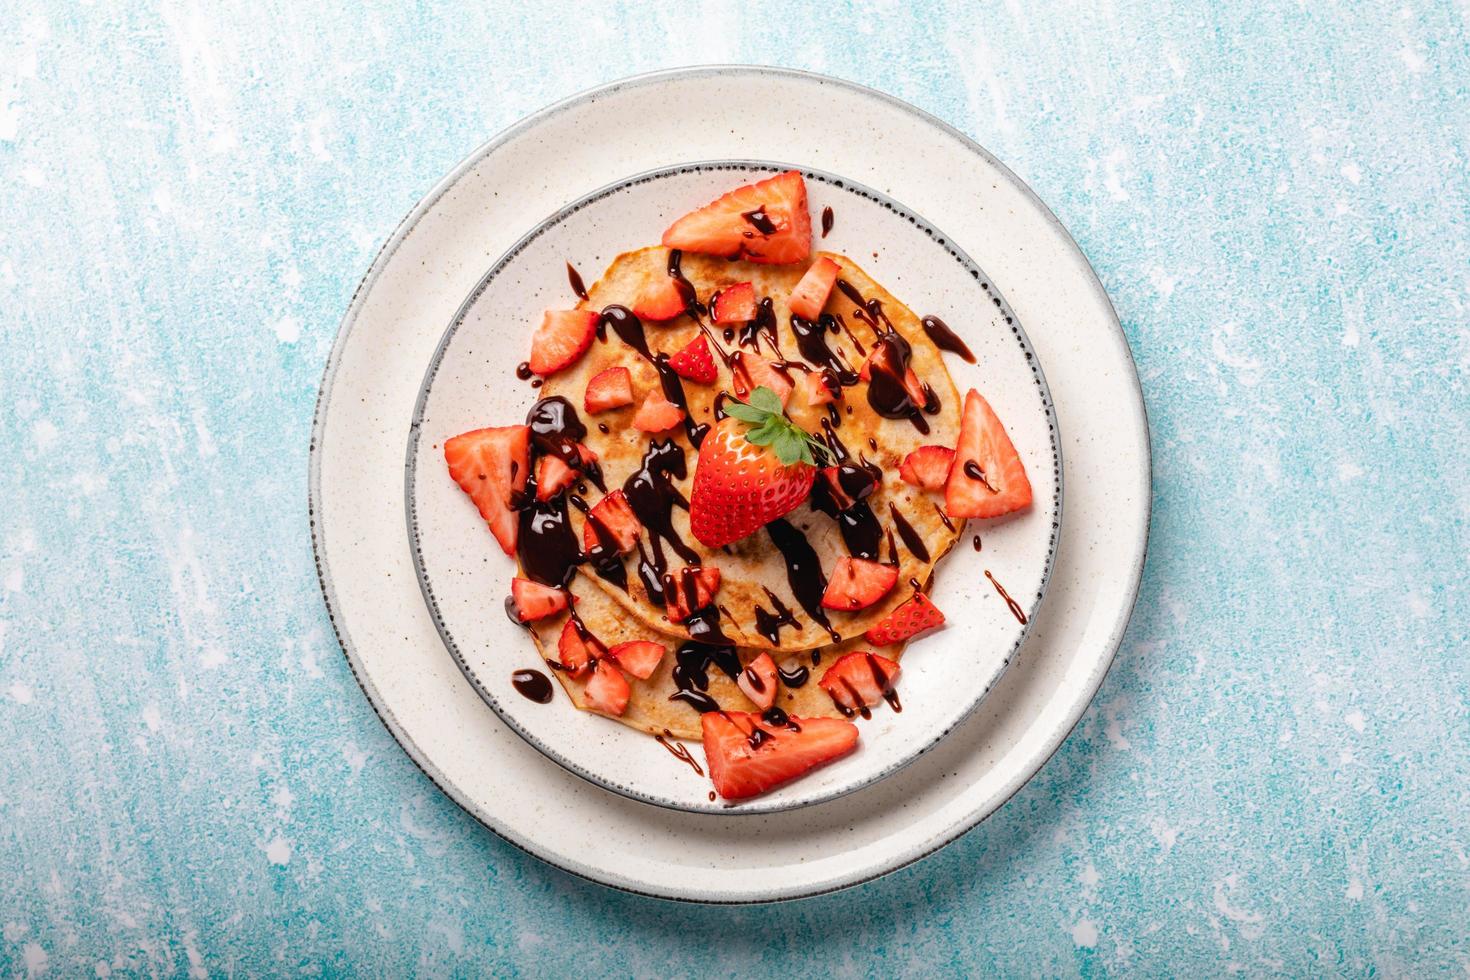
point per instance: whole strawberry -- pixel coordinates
(754, 466)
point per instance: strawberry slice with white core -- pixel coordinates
(690, 589)
(987, 478)
(857, 583)
(608, 389)
(552, 477)
(614, 515)
(927, 467)
(858, 681)
(532, 600)
(758, 681)
(735, 304)
(492, 466)
(767, 222)
(638, 657)
(808, 400)
(564, 336)
(695, 362)
(657, 413)
(751, 371)
(608, 690)
(810, 294)
(577, 649)
(659, 300)
(917, 615)
(743, 764)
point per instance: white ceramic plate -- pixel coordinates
(434, 260)
(471, 383)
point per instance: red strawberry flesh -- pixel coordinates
(767, 221)
(859, 680)
(987, 478)
(564, 335)
(857, 583)
(492, 466)
(743, 763)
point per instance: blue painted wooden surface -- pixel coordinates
(1274, 776)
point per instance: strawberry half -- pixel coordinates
(758, 681)
(927, 467)
(751, 371)
(754, 466)
(612, 388)
(608, 690)
(987, 478)
(564, 335)
(858, 681)
(659, 300)
(577, 649)
(638, 657)
(492, 465)
(767, 221)
(657, 413)
(695, 362)
(552, 477)
(743, 764)
(810, 294)
(735, 304)
(915, 616)
(615, 516)
(857, 583)
(691, 588)
(532, 600)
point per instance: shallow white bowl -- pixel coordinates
(471, 383)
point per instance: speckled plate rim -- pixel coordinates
(777, 803)
(1074, 703)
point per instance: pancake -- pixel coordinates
(649, 708)
(756, 579)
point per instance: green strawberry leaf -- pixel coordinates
(770, 427)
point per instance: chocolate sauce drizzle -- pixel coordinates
(803, 571)
(795, 677)
(760, 221)
(768, 624)
(679, 751)
(1011, 604)
(841, 493)
(911, 538)
(652, 496)
(811, 340)
(826, 221)
(763, 327)
(945, 338)
(575, 280)
(691, 673)
(629, 328)
(532, 684)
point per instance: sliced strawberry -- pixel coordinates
(576, 649)
(692, 587)
(810, 294)
(695, 362)
(927, 467)
(552, 477)
(751, 371)
(657, 413)
(608, 690)
(615, 516)
(767, 221)
(743, 764)
(612, 388)
(659, 299)
(987, 478)
(808, 400)
(915, 616)
(735, 304)
(858, 681)
(564, 335)
(758, 681)
(638, 657)
(857, 583)
(492, 466)
(532, 600)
